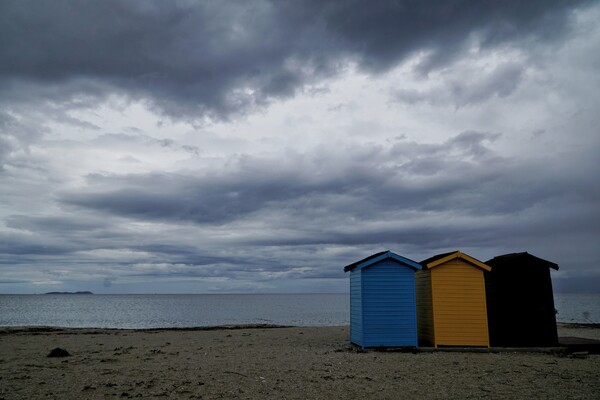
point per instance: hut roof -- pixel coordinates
(440, 259)
(520, 258)
(365, 262)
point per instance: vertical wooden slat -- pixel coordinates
(459, 304)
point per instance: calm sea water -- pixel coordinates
(582, 308)
(164, 311)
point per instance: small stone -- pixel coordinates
(58, 352)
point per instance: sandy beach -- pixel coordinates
(277, 363)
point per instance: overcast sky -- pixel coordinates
(261, 146)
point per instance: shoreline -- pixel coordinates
(579, 324)
(570, 330)
(49, 328)
(262, 361)
(55, 329)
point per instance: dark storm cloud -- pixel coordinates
(303, 212)
(500, 83)
(12, 281)
(54, 223)
(362, 182)
(423, 196)
(23, 245)
(320, 196)
(215, 59)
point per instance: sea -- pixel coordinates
(134, 311)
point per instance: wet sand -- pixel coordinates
(277, 363)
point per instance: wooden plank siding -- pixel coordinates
(356, 312)
(451, 307)
(389, 305)
(383, 301)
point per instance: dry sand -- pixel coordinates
(282, 363)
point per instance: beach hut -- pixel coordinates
(520, 301)
(382, 301)
(451, 305)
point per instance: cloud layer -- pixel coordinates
(208, 59)
(261, 146)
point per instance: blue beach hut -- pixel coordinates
(383, 310)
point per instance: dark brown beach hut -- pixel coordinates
(520, 301)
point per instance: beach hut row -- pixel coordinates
(452, 299)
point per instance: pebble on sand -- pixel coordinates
(58, 352)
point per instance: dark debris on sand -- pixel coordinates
(58, 352)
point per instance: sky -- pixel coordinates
(260, 146)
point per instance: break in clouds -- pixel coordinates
(261, 146)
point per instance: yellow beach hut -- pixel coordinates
(451, 304)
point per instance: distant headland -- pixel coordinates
(85, 292)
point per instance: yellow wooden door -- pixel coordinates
(459, 309)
